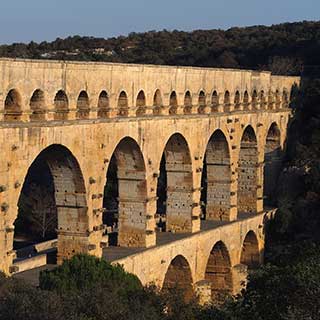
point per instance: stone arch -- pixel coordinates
(179, 276)
(248, 172)
(277, 99)
(173, 103)
(272, 163)
(215, 101)
(216, 178)
(83, 105)
(130, 178)
(157, 102)
(250, 253)
(176, 170)
(37, 105)
(254, 99)
(201, 102)
(57, 169)
(141, 103)
(262, 99)
(226, 100)
(187, 103)
(270, 100)
(245, 100)
(13, 106)
(219, 272)
(61, 106)
(123, 107)
(103, 104)
(237, 101)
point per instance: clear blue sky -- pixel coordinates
(26, 20)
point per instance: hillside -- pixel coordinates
(283, 48)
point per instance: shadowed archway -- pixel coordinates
(13, 106)
(37, 106)
(250, 254)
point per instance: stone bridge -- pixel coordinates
(215, 136)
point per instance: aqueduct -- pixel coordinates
(192, 154)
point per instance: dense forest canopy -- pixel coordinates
(282, 49)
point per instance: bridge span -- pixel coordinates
(122, 152)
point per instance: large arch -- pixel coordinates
(37, 106)
(83, 105)
(179, 276)
(61, 106)
(250, 253)
(13, 106)
(248, 172)
(103, 104)
(175, 184)
(127, 181)
(216, 188)
(56, 176)
(272, 164)
(219, 272)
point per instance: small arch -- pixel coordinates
(237, 100)
(187, 103)
(245, 100)
(248, 172)
(214, 101)
(157, 102)
(103, 104)
(141, 104)
(262, 99)
(37, 106)
(278, 99)
(201, 102)
(226, 100)
(250, 254)
(123, 108)
(83, 105)
(270, 100)
(254, 101)
(273, 157)
(61, 106)
(173, 107)
(179, 276)
(219, 273)
(13, 106)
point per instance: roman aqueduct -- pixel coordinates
(215, 136)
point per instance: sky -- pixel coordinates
(45, 20)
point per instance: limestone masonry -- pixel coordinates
(74, 116)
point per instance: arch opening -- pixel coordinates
(219, 272)
(123, 108)
(216, 179)
(141, 104)
(278, 99)
(173, 107)
(245, 100)
(262, 99)
(61, 106)
(226, 100)
(103, 105)
(37, 106)
(248, 172)
(13, 106)
(250, 254)
(52, 204)
(187, 103)
(270, 100)
(174, 188)
(214, 102)
(125, 196)
(201, 102)
(254, 100)
(178, 276)
(157, 102)
(273, 157)
(83, 105)
(237, 100)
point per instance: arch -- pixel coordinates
(187, 103)
(13, 106)
(216, 180)
(83, 105)
(103, 104)
(179, 276)
(254, 100)
(273, 163)
(201, 102)
(123, 108)
(237, 100)
(55, 177)
(61, 106)
(37, 105)
(173, 103)
(245, 100)
(250, 254)
(262, 99)
(157, 102)
(214, 101)
(176, 171)
(129, 180)
(141, 104)
(278, 99)
(270, 100)
(219, 272)
(226, 99)
(248, 172)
